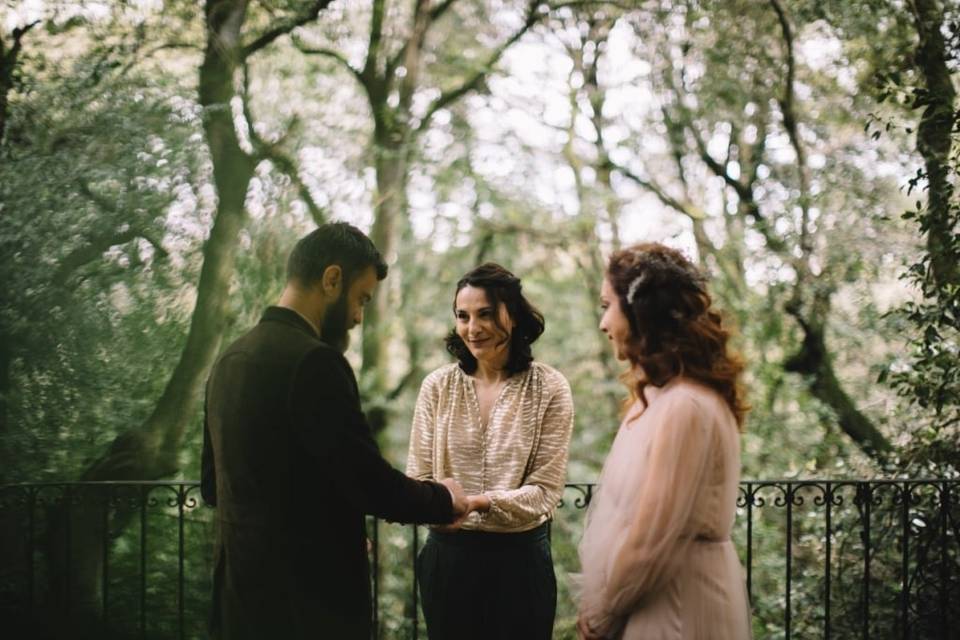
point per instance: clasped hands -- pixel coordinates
(463, 505)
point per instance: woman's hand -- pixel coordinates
(479, 503)
(584, 632)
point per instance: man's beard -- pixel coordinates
(334, 330)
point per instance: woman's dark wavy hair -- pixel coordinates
(500, 286)
(674, 329)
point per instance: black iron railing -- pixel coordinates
(823, 559)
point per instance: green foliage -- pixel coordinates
(106, 199)
(96, 273)
(928, 376)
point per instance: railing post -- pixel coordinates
(181, 503)
(828, 493)
(144, 493)
(105, 587)
(789, 490)
(905, 561)
(416, 602)
(867, 502)
(944, 559)
(375, 573)
(749, 502)
(68, 528)
(31, 551)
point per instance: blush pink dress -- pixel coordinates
(656, 554)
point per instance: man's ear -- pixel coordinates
(332, 280)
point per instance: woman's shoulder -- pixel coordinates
(442, 376)
(698, 396)
(551, 378)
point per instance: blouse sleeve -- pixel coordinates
(420, 454)
(658, 534)
(543, 486)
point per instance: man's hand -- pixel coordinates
(479, 503)
(461, 506)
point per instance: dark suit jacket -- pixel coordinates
(292, 467)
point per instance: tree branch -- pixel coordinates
(330, 53)
(308, 16)
(626, 6)
(432, 17)
(439, 10)
(273, 151)
(288, 165)
(814, 362)
(787, 107)
(98, 244)
(684, 208)
(149, 52)
(412, 52)
(452, 95)
(373, 48)
(8, 62)
(557, 239)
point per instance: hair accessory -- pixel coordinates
(635, 286)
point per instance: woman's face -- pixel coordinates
(476, 326)
(613, 322)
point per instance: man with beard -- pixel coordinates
(290, 463)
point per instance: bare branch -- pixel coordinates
(149, 53)
(744, 190)
(440, 9)
(412, 52)
(560, 239)
(283, 29)
(813, 361)
(625, 6)
(684, 208)
(417, 38)
(330, 53)
(376, 34)
(471, 83)
(98, 244)
(787, 107)
(8, 62)
(288, 166)
(273, 151)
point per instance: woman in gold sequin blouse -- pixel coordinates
(500, 423)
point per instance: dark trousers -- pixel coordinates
(490, 586)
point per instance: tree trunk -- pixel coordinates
(389, 216)
(150, 451)
(813, 361)
(391, 139)
(934, 141)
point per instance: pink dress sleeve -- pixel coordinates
(659, 527)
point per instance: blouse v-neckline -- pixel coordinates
(475, 397)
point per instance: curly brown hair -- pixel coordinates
(500, 286)
(674, 329)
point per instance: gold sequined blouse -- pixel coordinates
(519, 460)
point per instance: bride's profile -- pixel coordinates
(656, 554)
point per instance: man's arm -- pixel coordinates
(329, 424)
(208, 471)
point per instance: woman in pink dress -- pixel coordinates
(656, 554)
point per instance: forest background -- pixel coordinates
(159, 158)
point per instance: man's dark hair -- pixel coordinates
(334, 243)
(500, 286)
